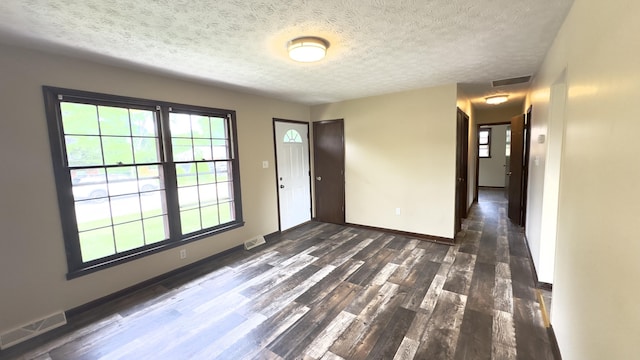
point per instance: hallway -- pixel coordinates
(502, 278)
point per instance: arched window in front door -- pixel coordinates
(292, 136)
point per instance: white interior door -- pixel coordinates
(294, 183)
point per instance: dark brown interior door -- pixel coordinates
(328, 156)
(462, 155)
(515, 173)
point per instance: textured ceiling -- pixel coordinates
(377, 46)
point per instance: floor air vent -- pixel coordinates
(28, 331)
(255, 242)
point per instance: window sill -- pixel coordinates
(149, 251)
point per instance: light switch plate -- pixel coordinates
(265, 164)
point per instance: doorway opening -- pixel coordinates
(492, 160)
(503, 163)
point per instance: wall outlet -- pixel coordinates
(183, 254)
(397, 211)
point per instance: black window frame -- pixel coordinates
(53, 96)
(487, 144)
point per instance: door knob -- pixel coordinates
(281, 186)
(509, 173)
(319, 178)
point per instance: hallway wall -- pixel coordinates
(595, 310)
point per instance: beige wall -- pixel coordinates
(32, 259)
(400, 153)
(595, 310)
(500, 114)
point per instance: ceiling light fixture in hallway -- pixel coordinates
(497, 99)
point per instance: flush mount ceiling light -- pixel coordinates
(307, 49)
(497, 99)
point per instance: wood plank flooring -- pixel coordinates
(324, 291)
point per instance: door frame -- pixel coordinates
(525, 169)
(525, 166)
(275, 164)
(475, 190)
(462, 169)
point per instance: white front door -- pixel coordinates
(294, 182)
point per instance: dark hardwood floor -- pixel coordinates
(324, 291)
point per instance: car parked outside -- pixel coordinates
(98, 189)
